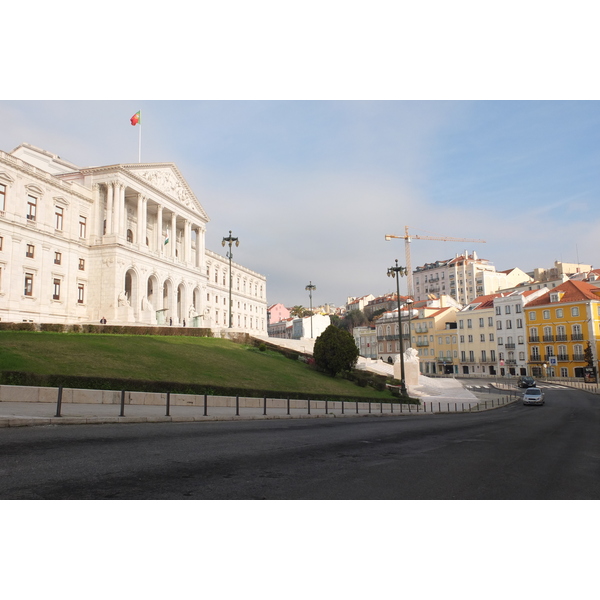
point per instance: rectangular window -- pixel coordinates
(498, 310)
(507, 310)
(56, 294)
(532, 316)
(545, 314)
(28, 284)
(2, 197)
(493, 355)
(470, 338)
(490, 321)
(491, 337)
(481, 322)
(482, 337)
(469, 323)
(80, 293)
(31, 208)
(30, 251)
(508, 324)
(483, 357)
(57, 258)
(81, 264)
(519, 323)
(58, 218)
(575, 311)
(517, 308)
(471, 356)
(498, 324)
(82, 226)
(1, 241)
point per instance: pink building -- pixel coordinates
(277, 313)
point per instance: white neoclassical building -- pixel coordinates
(123, 242)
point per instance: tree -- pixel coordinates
(352, 319)
(588, 355)
(297, 311)
(335, 351)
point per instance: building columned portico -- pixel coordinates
(123, 242)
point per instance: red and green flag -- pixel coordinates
(137, 118)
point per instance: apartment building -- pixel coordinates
(464, 278)
(561, 324)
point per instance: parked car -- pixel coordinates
(533, 395)
(526, 381)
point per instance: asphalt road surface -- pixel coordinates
(515, 452)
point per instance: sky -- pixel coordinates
(311, 188)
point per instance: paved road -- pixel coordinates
(515, 452)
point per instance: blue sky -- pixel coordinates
(312, 187)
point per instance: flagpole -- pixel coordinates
(140, 141)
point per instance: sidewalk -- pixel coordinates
(20, 414)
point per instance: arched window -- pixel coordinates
(130, 236)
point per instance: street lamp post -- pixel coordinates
(409, 301)
(310, 288)
(398, 272)
(230, 240)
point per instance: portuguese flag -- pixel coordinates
(137, 118)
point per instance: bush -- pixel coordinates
(335, 351)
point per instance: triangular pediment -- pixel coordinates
(167, 179)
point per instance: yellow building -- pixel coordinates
(560, 325)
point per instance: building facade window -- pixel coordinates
(28, 284)
(2, 197)
(56, 292)
(80, 293)
(82, 226)
(58, 218)
(82, 264)
(57, 258)
(575, 311)
(31, 208)
(30, 252)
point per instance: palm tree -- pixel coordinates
(297, 311)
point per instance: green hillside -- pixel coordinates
(209, 361)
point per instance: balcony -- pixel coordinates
(510, 361)
(535, 358)
(534, 338)
(577, 337)
(562, 338)
(548, 338)
(422, 343)
(578, 357)
(563, 357)
(510, 346)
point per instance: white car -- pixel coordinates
(533, 396)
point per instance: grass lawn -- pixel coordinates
(166, 358)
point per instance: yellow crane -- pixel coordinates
(408, 238)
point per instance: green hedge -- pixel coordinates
(162, 387)
(112, 329)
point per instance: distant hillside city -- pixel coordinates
(466, 318)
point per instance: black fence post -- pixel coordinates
(309, 406)
(265, 406)
(369, 405)
(237, 406)
(356, 406)
(59, 402)
(122, 403)
(168, 404)
(326, 407)
(288, 405)
(205, 405)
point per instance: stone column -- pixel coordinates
(159, 224)
(187, 241)
(173, 240)
(144, 220)
(122, 223)
(97, 226)
(140, 221)
(109, 208)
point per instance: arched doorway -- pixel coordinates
(131, 291)
(181, 312)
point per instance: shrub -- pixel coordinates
(335, 351)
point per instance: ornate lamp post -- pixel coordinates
(398, 272)
(310, 288)
(230, 240)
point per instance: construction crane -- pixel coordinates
(408, 238)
